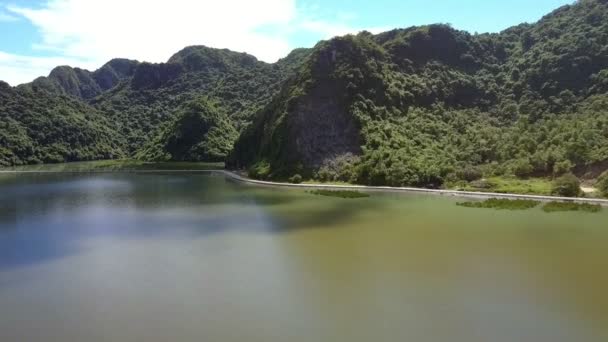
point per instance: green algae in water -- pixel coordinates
(339, 193)
(501, 204)
(553, 207)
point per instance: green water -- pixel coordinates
(194, 257)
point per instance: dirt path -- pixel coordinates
(588, 189)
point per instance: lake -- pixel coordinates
(198, 257)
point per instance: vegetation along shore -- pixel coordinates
(520, 111)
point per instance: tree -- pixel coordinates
(602, 184)
(567, 185)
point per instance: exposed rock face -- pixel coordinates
(310, 122)
(152, 76)
(320, 127)
(116, 70)
(75, 82)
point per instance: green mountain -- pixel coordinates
(424, 105)
(418, 106)
(84, 84)
(237, 83)
(37, 127)
(134, 104)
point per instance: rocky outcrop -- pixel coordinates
(83, 84)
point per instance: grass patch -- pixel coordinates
(501, 204)
(530, 186)
(553, 207)
(339, 193)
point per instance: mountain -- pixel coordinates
(421, 106)
(37, 127)
(84, 84)
(237, 83)
(426, 105)
(134, 104)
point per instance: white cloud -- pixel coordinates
(16, 69)
(153, 30)
(89, 33)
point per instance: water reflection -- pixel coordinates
(197, 257)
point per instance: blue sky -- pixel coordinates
(40, 34)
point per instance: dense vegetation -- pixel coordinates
(127, 108)
(199, 132)
(37, 127)
(423, 106)
(237, 83)
(602, 184)
(427, 105)
(567, 186)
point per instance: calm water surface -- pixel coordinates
(168, 257)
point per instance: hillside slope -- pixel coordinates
(425, 105)
(198, 132)
(84, 84)
(237, 83)
(37, 127)
(134, 104)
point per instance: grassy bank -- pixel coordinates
(508, 185)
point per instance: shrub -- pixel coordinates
(295, 179)
(567, 186)
(562, 167)
(469, 174)
(341, 168)
(521, 168)
(260, 170)
(602, 184)
(483, 184)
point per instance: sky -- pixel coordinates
(37, 35)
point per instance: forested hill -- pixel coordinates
(418, 106)
(84, 84)
(423, 105)
(237, 83)
(134, 104)
(39, 127)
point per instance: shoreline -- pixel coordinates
(439, 192)
(236, 177)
